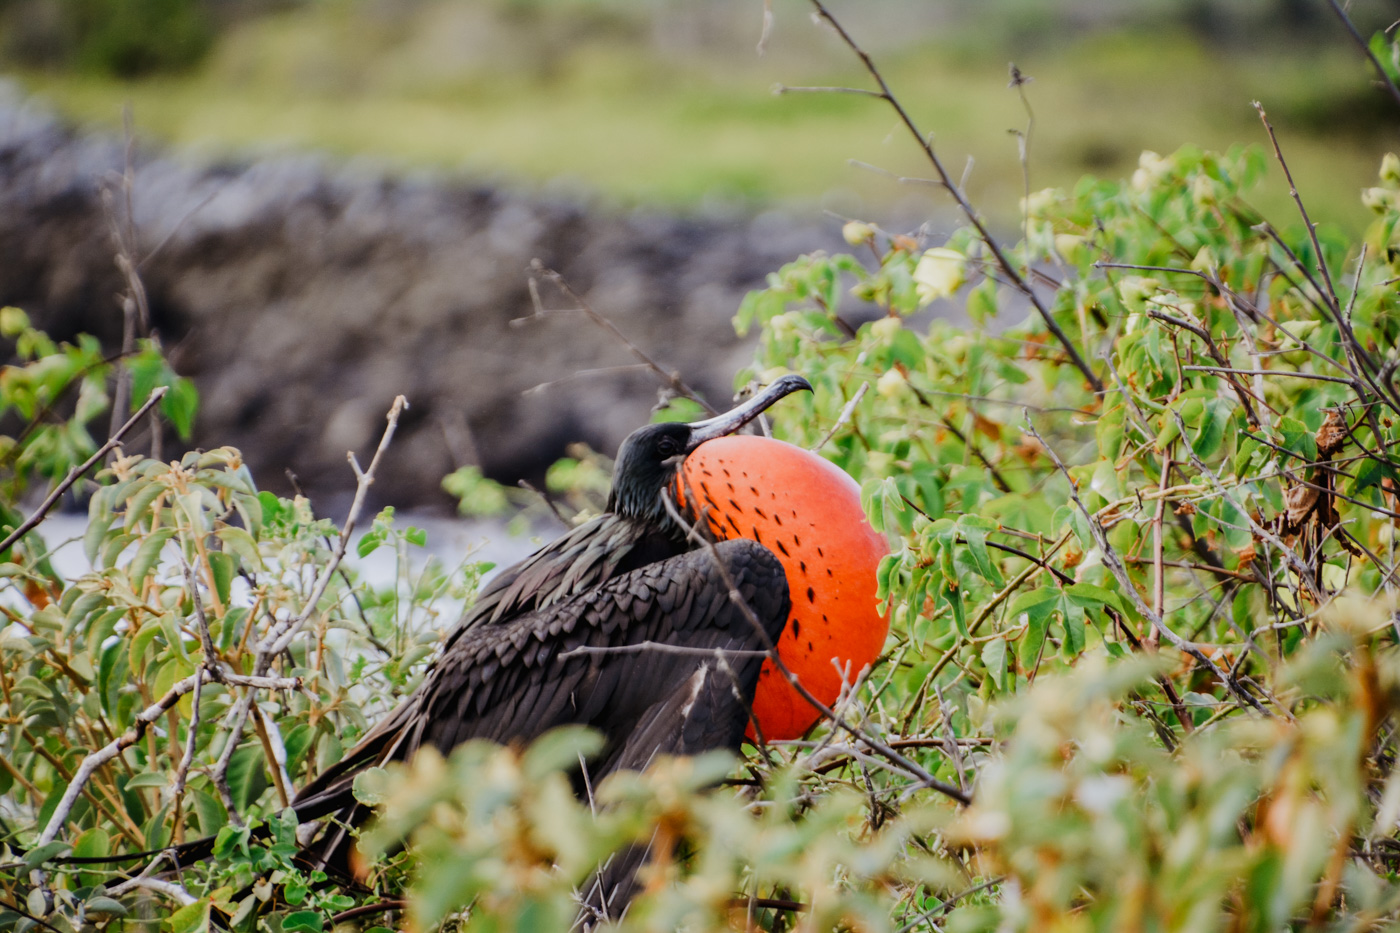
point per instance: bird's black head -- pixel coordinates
(646, 461)
(650, 456)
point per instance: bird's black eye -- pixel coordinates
(668, 447)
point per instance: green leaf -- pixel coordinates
(1037, 604)
(142, 496)
(105, 905)
(246, 777)
(147, 553)
(994, 657)
(307, 921)
(239, 542)
(1210, 434)
(92, 843)
(1032, 642)
(1295, 436)
(179, 405)
(953, 597)
(888, 565)
(982, 302)
(560, 748)
(1087, 594)
(36, 857)
(369, 542)
(147, 779)
(896, 515)
(1385, 53)
(209, 811)
(140, 643)
(100, 520)
(977, 548)
(1074, 629)
(221, 567)
(192, 918)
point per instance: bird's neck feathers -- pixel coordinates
(640, 500)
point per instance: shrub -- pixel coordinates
(1142, 599)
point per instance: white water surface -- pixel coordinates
(452, 541)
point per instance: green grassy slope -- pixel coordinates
(451, 87)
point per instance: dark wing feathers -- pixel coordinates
(510, 681)
(580, 560)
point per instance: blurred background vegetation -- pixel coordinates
(669, 102)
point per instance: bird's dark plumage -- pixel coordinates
(619, 625)
(627, 578)
(512, 681)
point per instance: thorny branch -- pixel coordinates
(1356, 37)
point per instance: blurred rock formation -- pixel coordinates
(302, 295)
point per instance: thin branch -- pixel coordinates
(368, 910)
(661, 648)
(1361, 360)
(74, 474)
(281, 633)
(276, 642)
(789, 89)
(670, 377)
(1120, 573)
(111, 750)
(1269, 372)
(543, 387)
(925, 143)
(1365, 49)
(843, 418)
(170, 889)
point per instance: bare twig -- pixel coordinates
(661, 648)
(169, 888)
(281, 633)
(276, 640)
(1364, 366)
(788, 89)
(111, 750)
(925, 143)
(844, 417)
(954, 751)
(1365, 49)
(74, 474)
(1268, 372)
(671, 378)
(368, 910)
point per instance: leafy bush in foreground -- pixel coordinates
(1142, 601)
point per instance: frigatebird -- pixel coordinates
(512, 668)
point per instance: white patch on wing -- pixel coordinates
(697, 683)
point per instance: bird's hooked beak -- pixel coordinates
(740, 415)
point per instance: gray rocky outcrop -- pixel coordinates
(301, 295)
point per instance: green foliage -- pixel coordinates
(1150, 629)
(52, 396)
(380, 79)
(194, 575)
(138, 37)
(475, 494)
(502, 841)
(1247, 431)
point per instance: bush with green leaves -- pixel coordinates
(1142, 592)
